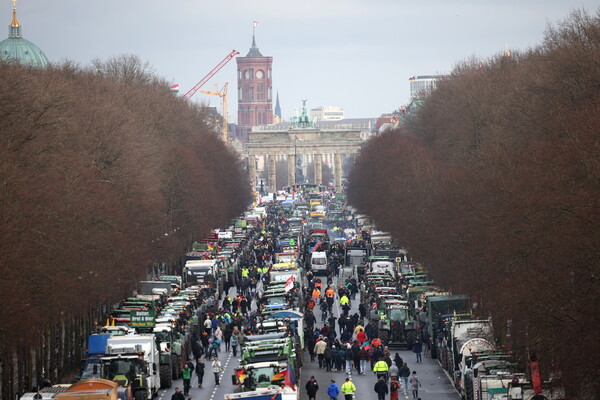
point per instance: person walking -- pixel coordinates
(349, 358)
(219, 335)
(233, 341)
(381, 369)
(417, 349)
(344, 301)
(415, 383)
(215, 343)
(348, 388)
(404, 373)
(398, 360)
(363, 357)
(329, 357)
(177, 395)
(333, 390)
(217, 369)
(227, 332)
(312, 387)
(394, 371)
(186, 374)
(200, 371)
(208, 325)
(394, 388)
(381, 389)
(320, 347)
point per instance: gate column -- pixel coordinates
(318, 163)
(337, 171)
(272, 173)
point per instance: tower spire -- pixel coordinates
(14, 29)
(254, 52)
(278, 107)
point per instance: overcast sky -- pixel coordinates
(355, 54)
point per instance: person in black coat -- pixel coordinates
(312, 387)
(398, 360)
(200, 372)
(177, 395)
(417, 349)
(381, 388)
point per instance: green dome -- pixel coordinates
(17, 49)
(22, 51)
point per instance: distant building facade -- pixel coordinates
(422, 85)
(255, 91)
(16, 49)
(327, 113)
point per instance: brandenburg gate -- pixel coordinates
(302, 138)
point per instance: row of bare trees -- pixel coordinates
(495, 184)
(103, 172)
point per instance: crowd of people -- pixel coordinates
(344, 344)
(357, 348)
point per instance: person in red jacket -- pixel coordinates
(394, 388)
(361, 336)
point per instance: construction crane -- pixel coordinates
(223, 95)
(216, 69)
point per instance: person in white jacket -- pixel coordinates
(217, 369)
(414, 383)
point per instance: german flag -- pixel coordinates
(279, 376)
(241, 375)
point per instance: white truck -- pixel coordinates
(133, 361)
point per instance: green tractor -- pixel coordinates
(268, 350)
(174, 349)
(395, 325)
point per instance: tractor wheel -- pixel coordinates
(166, 379)
(411, 338)
(384, 336)
(174, 367)
(141, 394)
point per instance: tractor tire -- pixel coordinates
(174, 367)
(411, 338)
(141, 394)
(166, 378)
(384, 336)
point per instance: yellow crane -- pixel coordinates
(223, 95)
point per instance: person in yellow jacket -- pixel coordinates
(344, 300)
(348, 388)
(381, 369)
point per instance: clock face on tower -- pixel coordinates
(247, 74)
(259, 74)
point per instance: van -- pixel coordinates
(318, 262)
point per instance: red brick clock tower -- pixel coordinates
(255, 91)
